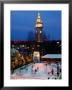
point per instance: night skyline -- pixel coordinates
(23, 24)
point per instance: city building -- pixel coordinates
(39, 26)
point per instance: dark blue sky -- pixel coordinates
(23, 23)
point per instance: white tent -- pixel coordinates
(52, 56)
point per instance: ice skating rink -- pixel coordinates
(37, 71)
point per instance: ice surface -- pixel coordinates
(36, 71)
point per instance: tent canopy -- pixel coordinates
(52, 56)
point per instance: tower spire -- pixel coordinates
(38, 15)
(39, 26)
(38, 21)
